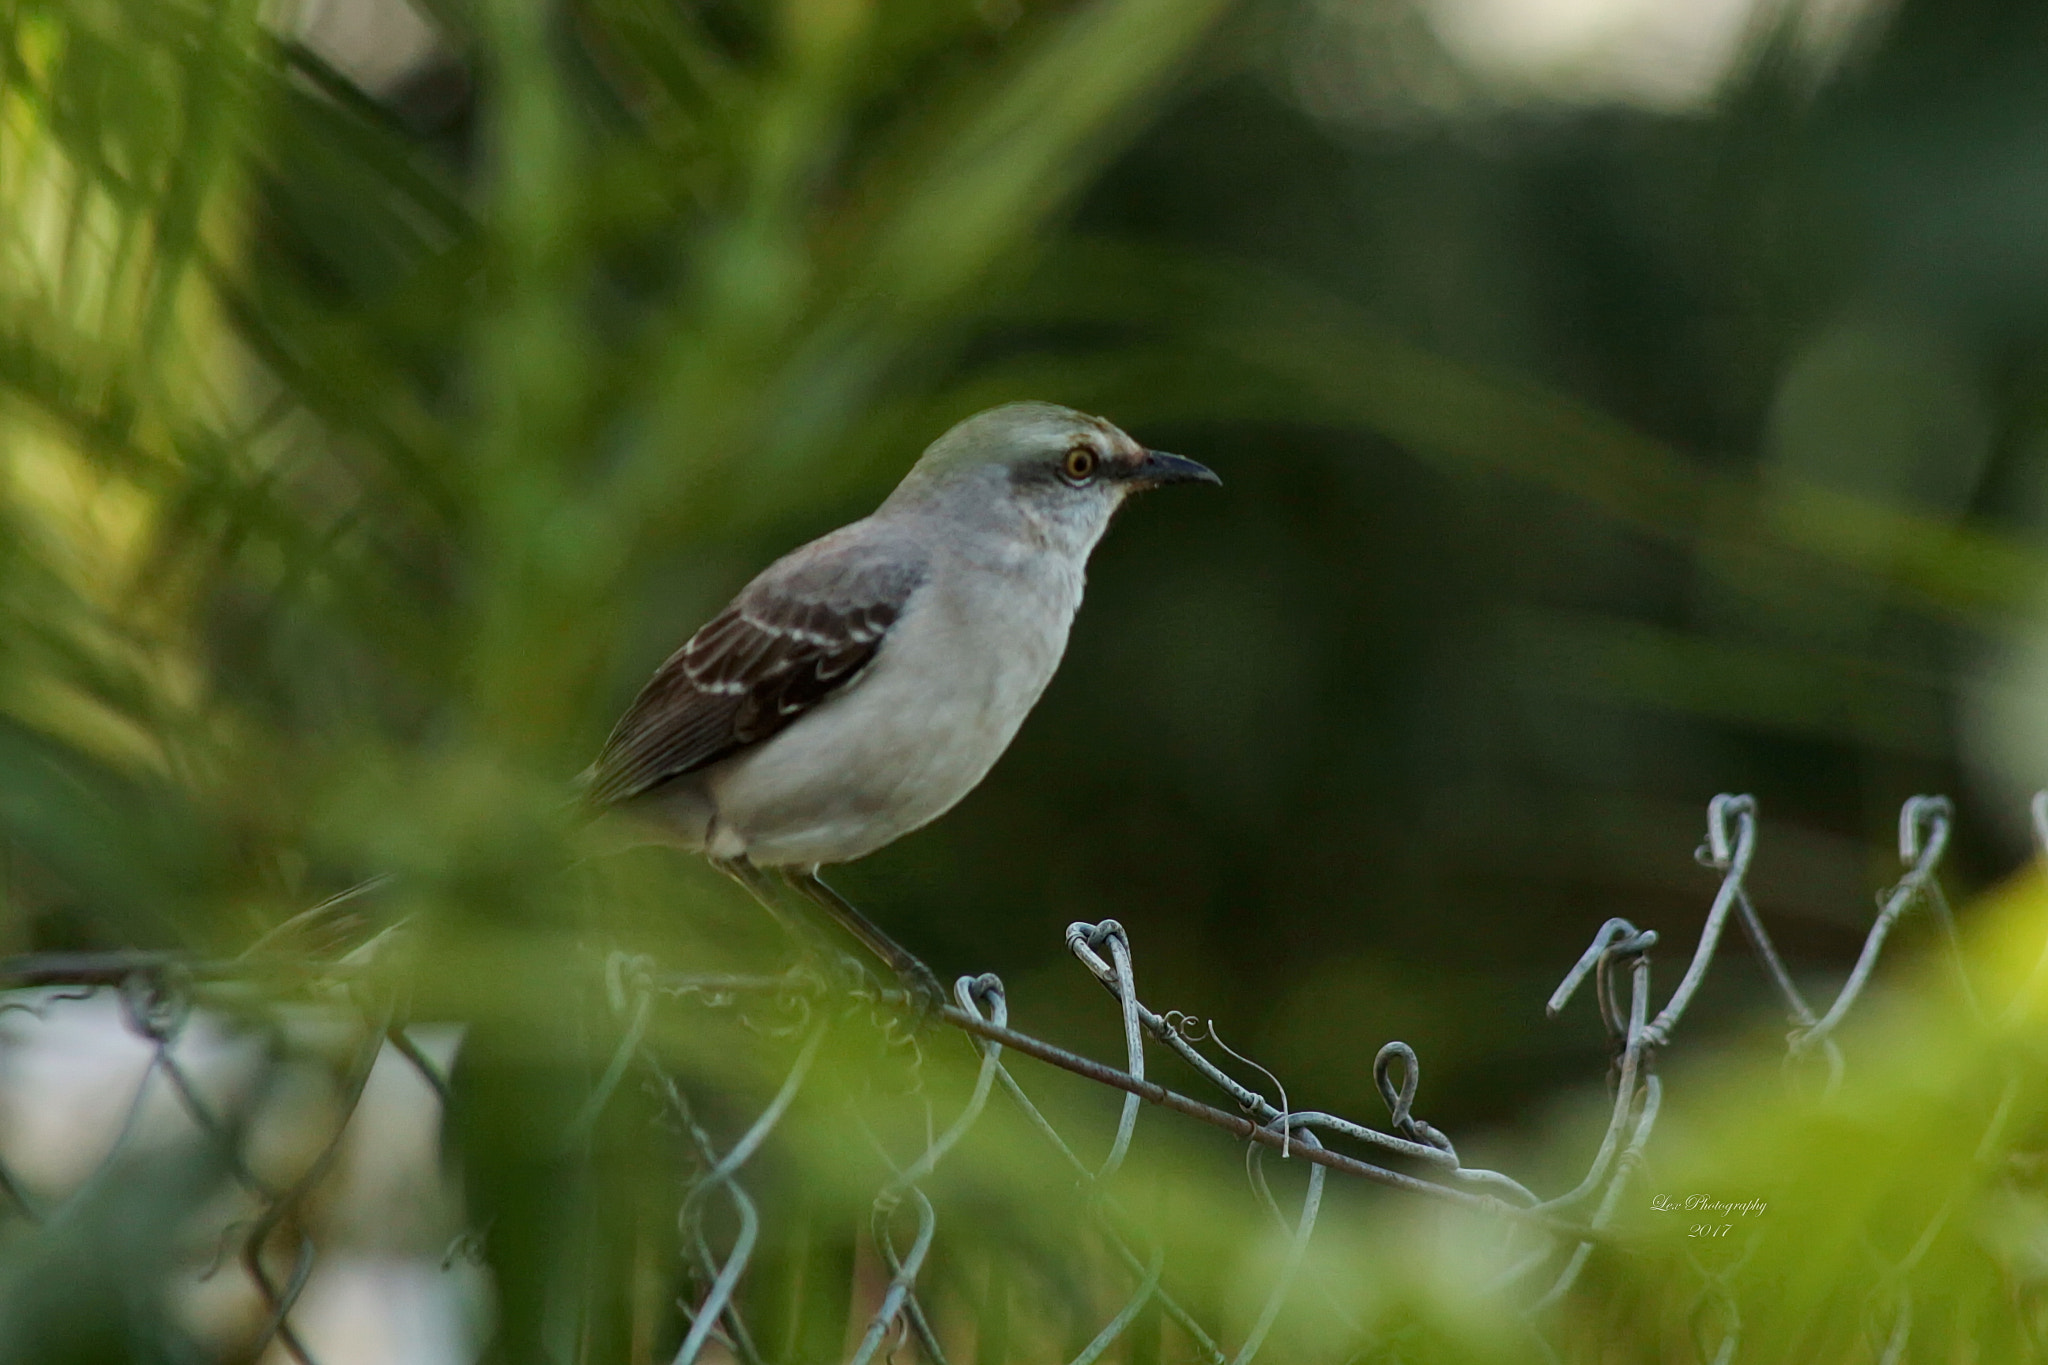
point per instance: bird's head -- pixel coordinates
(1063, 472)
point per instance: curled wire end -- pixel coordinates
(1281, 1118)
(1923, 830)
(1282, 1123)
(1617, 936)
(973, 992)
(1400, 1099)
(1085, 941)
(1723, 810)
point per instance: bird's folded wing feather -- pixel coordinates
(798, 634)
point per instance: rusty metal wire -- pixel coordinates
(160, 997)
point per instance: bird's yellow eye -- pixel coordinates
(1079, 466)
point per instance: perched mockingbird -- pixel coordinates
(863, 684)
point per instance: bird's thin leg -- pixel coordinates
(819, 953)
(743, 871)
(917, 978)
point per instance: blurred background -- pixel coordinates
(1618, 402)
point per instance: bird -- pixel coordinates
(863, 684)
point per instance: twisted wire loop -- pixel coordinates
(905, 1276)
(281, 1299)
(1715, 1297)
(1400, 1096)
(1083, 941)
(1923, 838)
(629, 988)
(1325, 1290)
(156, 1005)
(1732, 856)
(1610, 1201)
(1103, 1208)
(1116, 1326)
(1177, 1031)
(1290, 1268)
(1892, 1290)
(1637, 1098)
(719, 1178)
(1617, 941)
(720, 1278)
(1418, 1139)
(971, 993)
(161, 995)
(1925, 825)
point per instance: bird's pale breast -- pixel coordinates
(942, 700)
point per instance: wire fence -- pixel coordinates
(164, 1002)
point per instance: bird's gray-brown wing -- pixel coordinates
(798, 634)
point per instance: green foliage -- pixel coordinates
(358, 453)
(392, 423)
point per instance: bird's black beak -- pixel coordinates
(1158, 468)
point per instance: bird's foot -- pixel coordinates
(915, 991)
(925, 997)
(918, 989)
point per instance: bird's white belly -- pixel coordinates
(901, 746)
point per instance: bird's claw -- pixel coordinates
(926, 998)
(916, 990)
